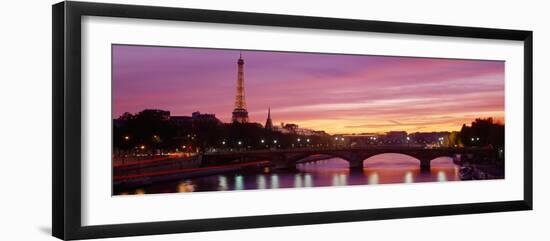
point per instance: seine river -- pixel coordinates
(381, 169)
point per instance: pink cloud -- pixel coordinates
(309, 88)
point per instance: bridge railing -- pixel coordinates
(348, 148)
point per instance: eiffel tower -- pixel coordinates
(240, 114)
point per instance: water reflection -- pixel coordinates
(222, 183)
(297, 180)
(308, 182)
(239, 182)
(261, 181)
(373, 178)
(381, 169)
(409, 177)
(335, 181)
(343, 179)
(441, 177)
(274, 181)
(186, 186)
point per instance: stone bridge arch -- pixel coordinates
(356, 159)
(424, 158)
(354, 156)
(374, 155)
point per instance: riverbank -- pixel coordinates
(486, 171)
(121, 182)
(147, 172)
(160, 163)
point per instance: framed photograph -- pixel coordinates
(169, 120)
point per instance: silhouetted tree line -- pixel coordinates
(152, 132)
(143, 131)
(483, 132)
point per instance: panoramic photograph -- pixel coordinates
(204, 120)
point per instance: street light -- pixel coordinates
(262, 141)
(240, 143)
(299, 140)
(275, 141)
(126, 138)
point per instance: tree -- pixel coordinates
(483, 132)
(455, 139)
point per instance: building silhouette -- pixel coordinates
(240, 114)
(195, 117)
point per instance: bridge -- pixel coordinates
(355, 156)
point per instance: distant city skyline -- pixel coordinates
(330, 92)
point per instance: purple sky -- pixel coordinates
(335, 93)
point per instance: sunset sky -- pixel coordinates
(335, 93)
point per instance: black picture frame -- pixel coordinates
(66, 169)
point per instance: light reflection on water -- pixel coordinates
(409, 177)
(274, 181)
(381, 169)
(222, 182)
(238, 182)
(373, 178)
(441, 176)
(261, 181)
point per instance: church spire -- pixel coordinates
(268, 122)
